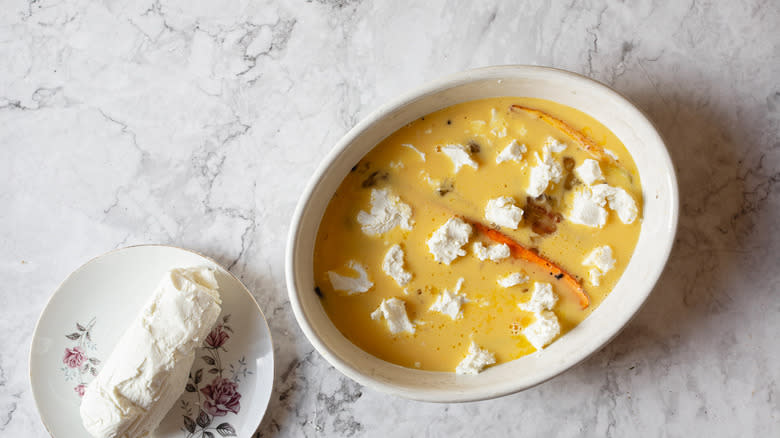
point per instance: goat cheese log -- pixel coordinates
(147, 371)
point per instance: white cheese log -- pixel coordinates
(147, 371)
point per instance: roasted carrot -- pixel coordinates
(522, 253)
(583, 141)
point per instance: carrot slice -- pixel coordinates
(520, 252)
(584, 142)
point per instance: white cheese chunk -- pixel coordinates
(351, 285)
(393, 265)
(588, 209)
(512, 279)
(503, 212)
(496, 252)
(555, 146)
(421, 154)
(601, 258)
(427, 178)
(547, 170)
(148, 368)
(475, 361)
(623, 204)
(546, 327)
(447, 241)
(393, 311)
(589, 171)
(542, 298)
(543, 330)
(611, 154)
(479, 250)
(513, 152)
(594, 276)
(459, 155)
(601, 262)
(387, 212)
(477, 125)
(589, 201)
(450, 303)
(497, 124)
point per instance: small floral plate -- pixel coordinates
(230, 382)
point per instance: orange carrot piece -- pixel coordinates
(582, 140)
(522, 253)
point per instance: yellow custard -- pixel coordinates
(425, 179)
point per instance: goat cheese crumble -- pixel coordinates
(588, 209)
(600, 261)
(497, 124)
(447, 241)
(393, 265)
(542, 298)
(459, 155)
(427, 178)
(475, 361)
(589, 201)
(477, 125)
(512, 279)
(351, 285)
(387, 212)
(555, 146)
(619, 201)
(496, 252)
(589, 171)
(546, 327)
(543, 330)
(393, 311)
(450, 303)
(547, 169)
(503, 212)
(421, 154)
(513, 152)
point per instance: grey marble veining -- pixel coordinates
(195, 123)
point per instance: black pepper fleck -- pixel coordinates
(318, 291)
(559, 276)
(449, 122)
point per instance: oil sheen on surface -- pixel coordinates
(492, 317)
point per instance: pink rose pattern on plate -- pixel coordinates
(220, 396)
(79, 363)
(218, 336)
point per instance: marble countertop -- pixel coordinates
(195, 123)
